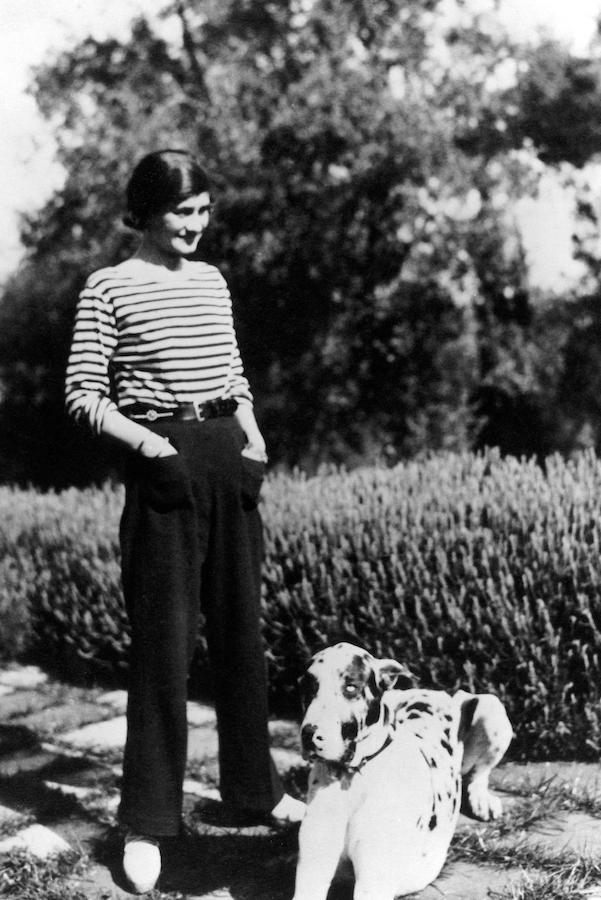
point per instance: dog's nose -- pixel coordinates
(309, 737)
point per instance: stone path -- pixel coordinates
(60, 756)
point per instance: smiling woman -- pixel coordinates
(176, 232)
(158, 327)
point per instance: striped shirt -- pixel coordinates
(159, 340)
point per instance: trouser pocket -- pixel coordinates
(165, 483)
(253, 476)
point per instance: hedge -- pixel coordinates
(478, 571)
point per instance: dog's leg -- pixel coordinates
(486, 733)
(321, 842)
(373, 881)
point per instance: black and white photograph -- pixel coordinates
(300, 449)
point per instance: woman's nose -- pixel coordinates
(197, 221)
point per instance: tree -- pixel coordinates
(362, 223)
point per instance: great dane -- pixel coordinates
(389, 767)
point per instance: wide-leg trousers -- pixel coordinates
(191, 539)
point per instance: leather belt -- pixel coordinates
(184, 412)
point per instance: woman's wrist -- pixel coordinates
(255, 451)
(153, 446)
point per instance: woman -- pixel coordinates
(157, 328)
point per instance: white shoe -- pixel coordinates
(141, 862)
(289, 809)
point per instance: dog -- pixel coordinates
(388, 769)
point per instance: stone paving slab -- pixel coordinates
(200, 714)
(62, 717)
(24, 702)
(202, 743)
(577, 832)
(93, 799)
(72, 790)
(582, 774)
(286, 759)
(10, 817)
(98, 884)
(25, 761)
(198, 789)
(117, 700)
(583, 777)
(467, 881)
(285, 732)
(38, 840)
(108, 734)
(23, 677)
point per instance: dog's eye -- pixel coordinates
(351, 690)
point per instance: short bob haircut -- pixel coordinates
(160, 181)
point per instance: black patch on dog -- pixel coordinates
(467, 714)
(309, 685)
(432, 823)
(349, 731)
(373, 712)
(372, 684)
(356, 671)
(446, 746)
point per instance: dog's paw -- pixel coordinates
(481, 803)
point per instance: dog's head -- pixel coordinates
(342, 696)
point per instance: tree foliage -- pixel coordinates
(365, 156)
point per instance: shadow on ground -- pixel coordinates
(249, 862)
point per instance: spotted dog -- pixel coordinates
(389, 765)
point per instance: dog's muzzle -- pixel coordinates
(311, 740)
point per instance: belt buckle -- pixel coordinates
(152, 415)
(197, 405)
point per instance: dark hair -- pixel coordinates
(160, 180)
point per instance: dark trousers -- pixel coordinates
(191, 539)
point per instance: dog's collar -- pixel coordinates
(356, 767)
(356, 763)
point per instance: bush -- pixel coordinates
(478, 572)
(62, 598)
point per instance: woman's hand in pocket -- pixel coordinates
(256, 452)
(156, 447)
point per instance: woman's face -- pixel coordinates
(176, 233)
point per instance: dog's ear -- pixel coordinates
(392, 674)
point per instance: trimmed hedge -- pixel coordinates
(476, 571)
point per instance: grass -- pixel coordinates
(22, 877)
(567, 879)
(546, 872)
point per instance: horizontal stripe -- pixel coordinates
(163, 342)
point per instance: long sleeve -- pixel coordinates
(87, 386)
(237, 384)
